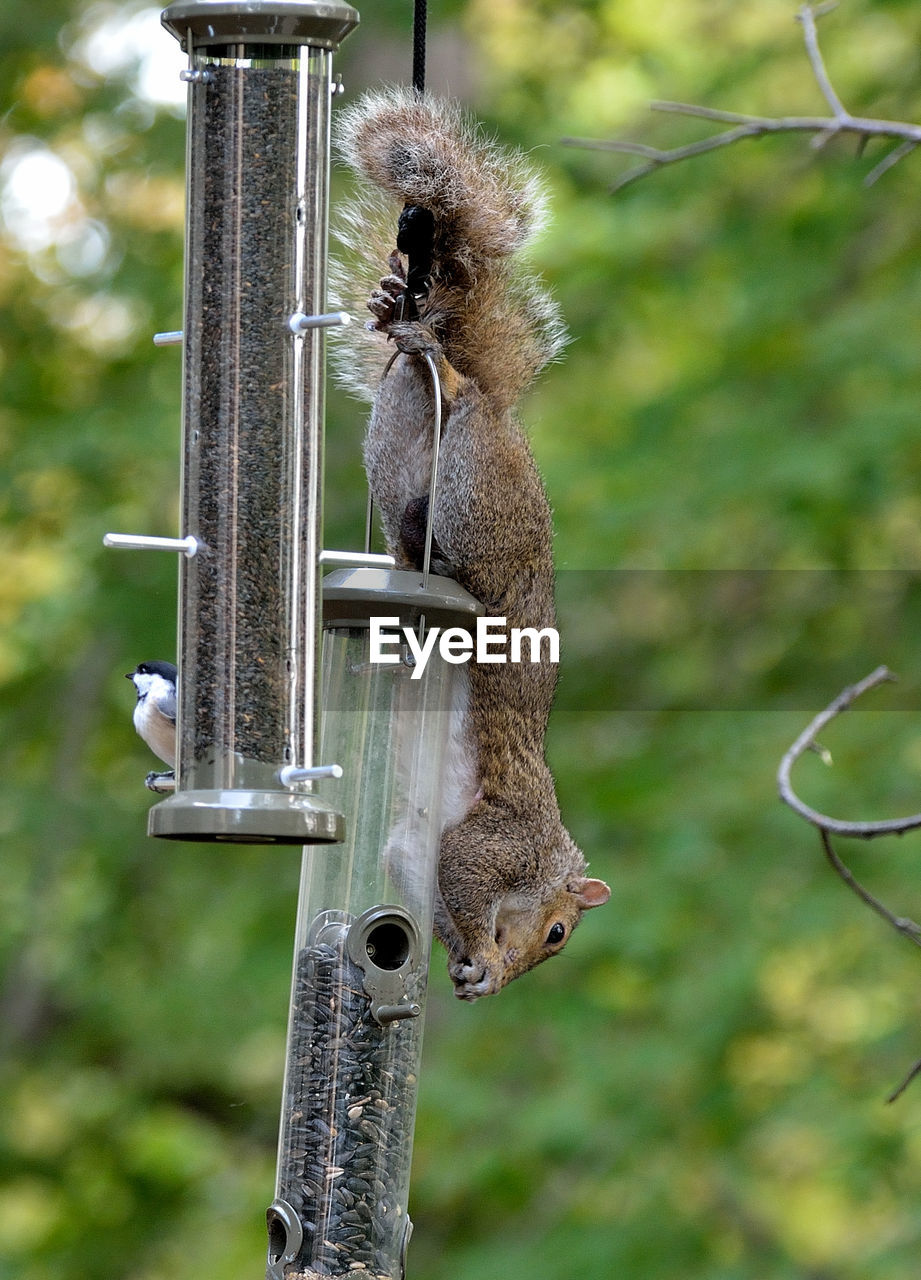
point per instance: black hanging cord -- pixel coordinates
(419, 16)
(415, 238)
(416, 229)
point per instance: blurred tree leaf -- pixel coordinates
(731, 449)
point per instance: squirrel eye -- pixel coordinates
(556, 934)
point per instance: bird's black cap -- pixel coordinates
(165, 669)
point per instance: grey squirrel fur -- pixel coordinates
(511, 880)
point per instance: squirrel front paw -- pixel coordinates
(479, 975)
(386, 305)
(384, 301)
(409, 336)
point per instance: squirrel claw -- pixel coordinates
(383, 301)
(380, 305)
(393, 285)
(395, 263)
(472, 978)
(413, 339)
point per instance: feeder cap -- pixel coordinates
(323, 24)
(351, 597)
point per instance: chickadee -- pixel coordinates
(155, 712)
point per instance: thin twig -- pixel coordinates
(897, 1092)
(807, 741)
(894, 156)
(807, 16)
(867, 830)
(865, 126)
(902, 924)
(746, 126)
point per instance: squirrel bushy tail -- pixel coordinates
(495, 320)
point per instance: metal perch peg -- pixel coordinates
(143, 542)
(299, 323)
(292, 773)
(356, 560)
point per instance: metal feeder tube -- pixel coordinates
(260, 88)
(362, 948)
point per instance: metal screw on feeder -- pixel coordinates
(259, 80)
(196, 76)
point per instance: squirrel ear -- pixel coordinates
(590, 893)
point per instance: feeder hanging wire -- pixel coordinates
(420, 8)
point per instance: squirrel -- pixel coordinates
(512, 883)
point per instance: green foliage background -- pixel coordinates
(733, 454)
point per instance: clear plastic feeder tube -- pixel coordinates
(362, 947)
(257, 173)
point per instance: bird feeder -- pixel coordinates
(253, 343)
(250, 629)
(363, 939)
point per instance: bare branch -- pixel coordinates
(864, 126)
(657, 158)
(897, 1093)
(759, 124)
(807, 16)
(807, 741)
(746, 126)
(894, 156)
(907, 928)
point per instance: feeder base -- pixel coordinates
(245, 817)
